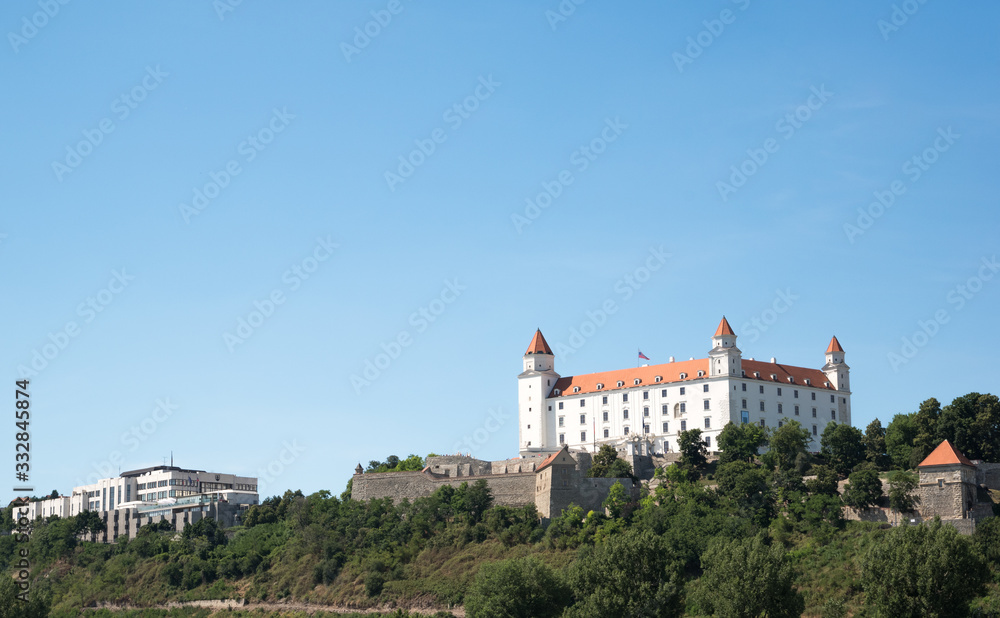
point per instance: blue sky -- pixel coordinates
(625, 120)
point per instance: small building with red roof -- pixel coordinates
(948, 486)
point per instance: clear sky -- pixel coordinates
(455, 178)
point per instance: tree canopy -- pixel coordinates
(741, 442)
(843, 446)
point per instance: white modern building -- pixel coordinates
(660, 401)
(42, 509)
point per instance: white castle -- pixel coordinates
(659, 401)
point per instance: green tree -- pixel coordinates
(634, 573)
(617, 500)
(741, 442)
(972, 424)
(926, 438)
(747, 578)
(875, 448)
(693, 448)
(37, 605)
(746, 485)
(863, 489)
(915, 571)
(516, 588)
(607, 464)
(901, 487)
(899, 438)
(825, 482)
(843, 446)
(788, 446)
(472, 500)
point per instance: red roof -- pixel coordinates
(671, 372)
(539, 345)
(834, 346)
(946, 455)
(724, 328)
(550, 459)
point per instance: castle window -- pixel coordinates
(583, 419)
(814, 412)
(645, 411)
(684, 376)
(684, 425)
(626, 430)
(808, 382)
(761, 389)
(625, 397)
(843, 400)
(583, 402)
(832, 399)
(645, 394)
(620, 384)
(704, 388)
(780, 410)
(625, 414)
(606, 433)
(781, 424)
(774, 376)
(548, 383)
(815, 431)
(796, 410)
(762, 423)
(664, 409)
(796, 393)
(599, 386)
(663, 393)
(744, 385)
(813, 396)
(706, 406)
(561, 420)
(576, 389)
(562, 438)
(682, 390)
(583, 436)
(556, 392)
(604, 400)
(744, 404)
(683, 406)
(708, 441)
(708, 422)
(636, 381)
(550, 408)
(665, 426)
(560, 405)
(701, 373)
(779, 391)
(605, 416)
(762, 406)
(657, 378)
(833, 415)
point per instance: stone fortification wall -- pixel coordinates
(988, 474)
(463, 465)
(513, 489)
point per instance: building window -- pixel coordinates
(583, 419)
(744, 404)
(744, 417)
(663, 393)
(645, 395)
(762, 423)
(560, 405)
(550, 408)
(583, 436)
(796, 410)
(762, 406)
(645, 429)
(625, 397)
(704, 388)
(796, 393)
(843, 400)
(604, 400)
(561, 421)
(583, 402)
(814, 412)
(664, 409)
(645, 411)
(606, 433)
(781, 424)
(813, 396)
(683, 406)
(684, 425)
(666, 427)
(626, 430)
(744, 385)
(605, 417)
(562, 438)
(708, 423)
(833, 415)
(706, 406)
(815, 432)
(708, 441)
(832, 399)
(780, 410)
(779, 391)
(625, 412)
(682, 390)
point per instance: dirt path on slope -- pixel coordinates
(309, 608)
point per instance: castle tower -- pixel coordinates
(533, 387)
(725, 358)
(836, 370)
